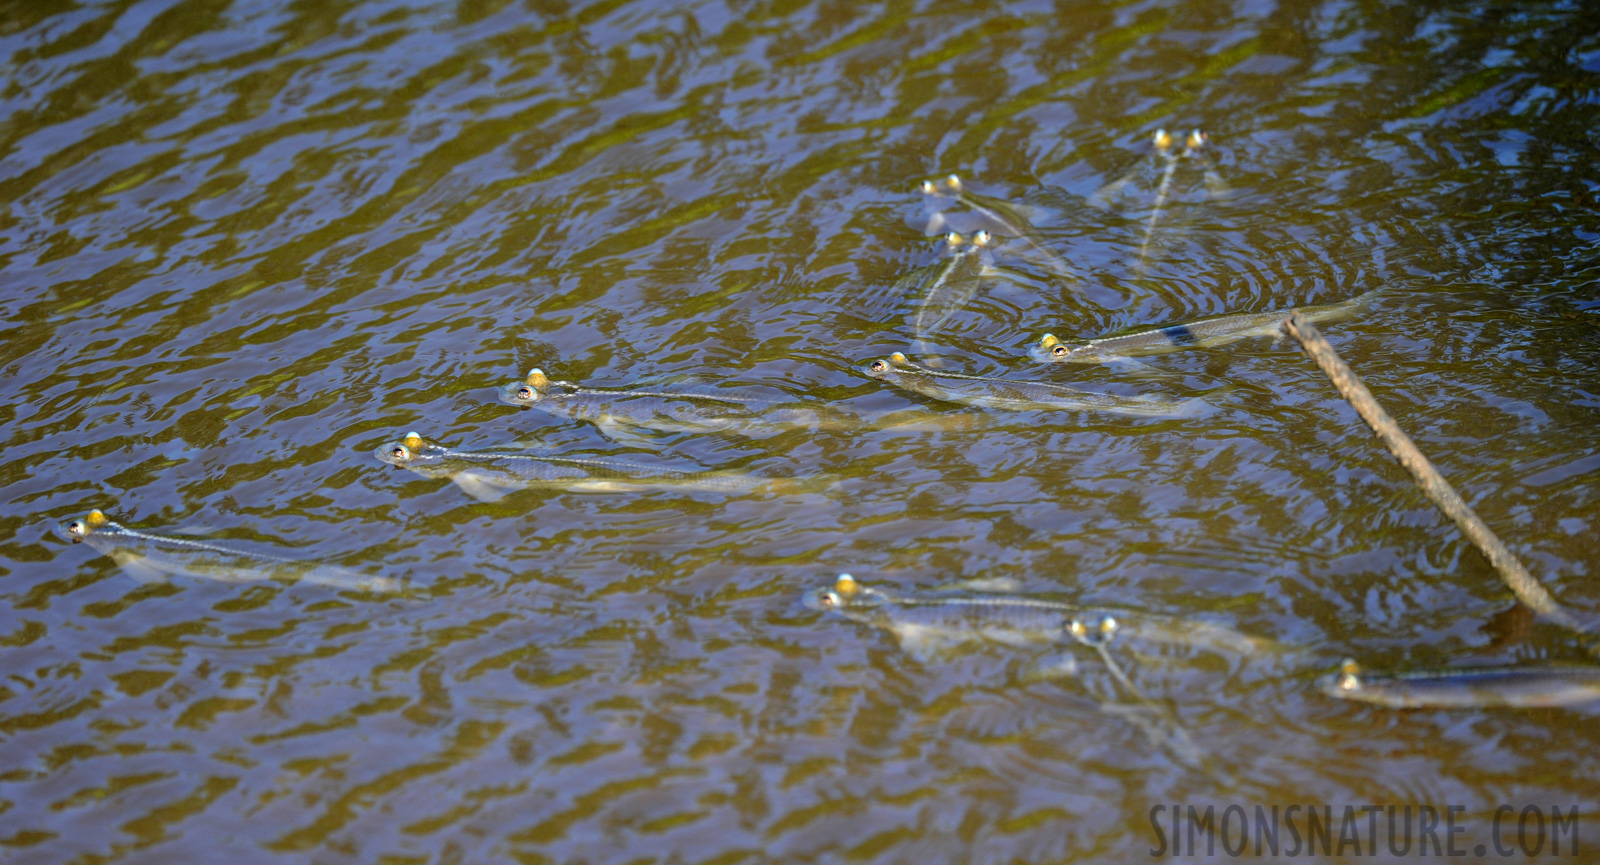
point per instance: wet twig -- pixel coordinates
(1433, 485)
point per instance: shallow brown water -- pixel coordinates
(243, 244)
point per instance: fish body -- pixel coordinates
(927, 621)
(662, 410)
(490, 475)
(1201, 333)
(152, 557)
(1467, 688)
(952, 284)
(999, 393)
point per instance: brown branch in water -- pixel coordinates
(1433, 485)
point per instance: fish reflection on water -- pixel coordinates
(490, 475)
(150, 558)
(666, 410)
(1466, 688)
(1006, 394)
(1202, 333)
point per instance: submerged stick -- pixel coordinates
(1433, 485)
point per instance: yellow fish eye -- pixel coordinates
(76, 527)
(412, 440)
(527, 393)
(95, 518)
(928, 187)
(879, 366)
(898, 357)
(400, 452)
(1348, 682)
(830, 598)
(1060, 351)
(846, 586)
(537, 379)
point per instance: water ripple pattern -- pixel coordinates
(242, 244)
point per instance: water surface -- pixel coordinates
(243, 244)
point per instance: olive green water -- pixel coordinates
(243, 244)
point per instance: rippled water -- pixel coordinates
(243, 244)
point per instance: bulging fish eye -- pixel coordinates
(400, 452)
(527, 393)
(953, 181)
(412, 440)
(1060, 351)
(77, 528)
(830, 598)
(879, 366)
(1108, 626)
(1348, 682)
(898, 357)
(537, 378)
(982, 238)
(928, 188)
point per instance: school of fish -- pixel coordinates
(974, 231)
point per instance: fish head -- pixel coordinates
(847, 597)
(1344, 683)
(77, 530)
(881, 369)
(520, 393)
(1051, 349)
(409, 451)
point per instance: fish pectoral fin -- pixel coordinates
(142, 571)
(336, 577)
(1102, 196)
(1008, 637)
(1055, 665)
(922, 644)
(600, 485)
(478, 488)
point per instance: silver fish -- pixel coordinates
(1201, 333)
(999, 393)
(952, 284)
(928, 622)
(998, 217)
(1520, 687)
(150, 557)
(664, 410)
(489, 475)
